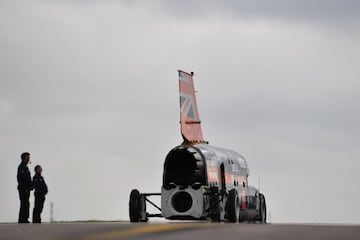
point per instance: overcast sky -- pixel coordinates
(90, 89)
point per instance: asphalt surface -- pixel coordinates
(174, 231)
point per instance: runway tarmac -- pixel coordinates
(176, 231)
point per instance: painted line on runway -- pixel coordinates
(148, 229)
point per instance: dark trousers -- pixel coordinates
(38, 207)
(24, 206)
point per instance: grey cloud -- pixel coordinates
(333, 11)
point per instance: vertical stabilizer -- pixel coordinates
(189, 114)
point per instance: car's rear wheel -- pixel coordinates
(262, 209)
(233, 206)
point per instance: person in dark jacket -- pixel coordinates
(40, 191)
(25, 185)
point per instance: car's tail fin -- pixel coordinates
(189, 114)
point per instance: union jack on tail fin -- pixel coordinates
(189, 114)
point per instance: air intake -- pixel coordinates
(182, 201)
(184, 166)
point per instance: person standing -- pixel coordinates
(25, 185)
(40, 191)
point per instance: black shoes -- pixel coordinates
(24, 221)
